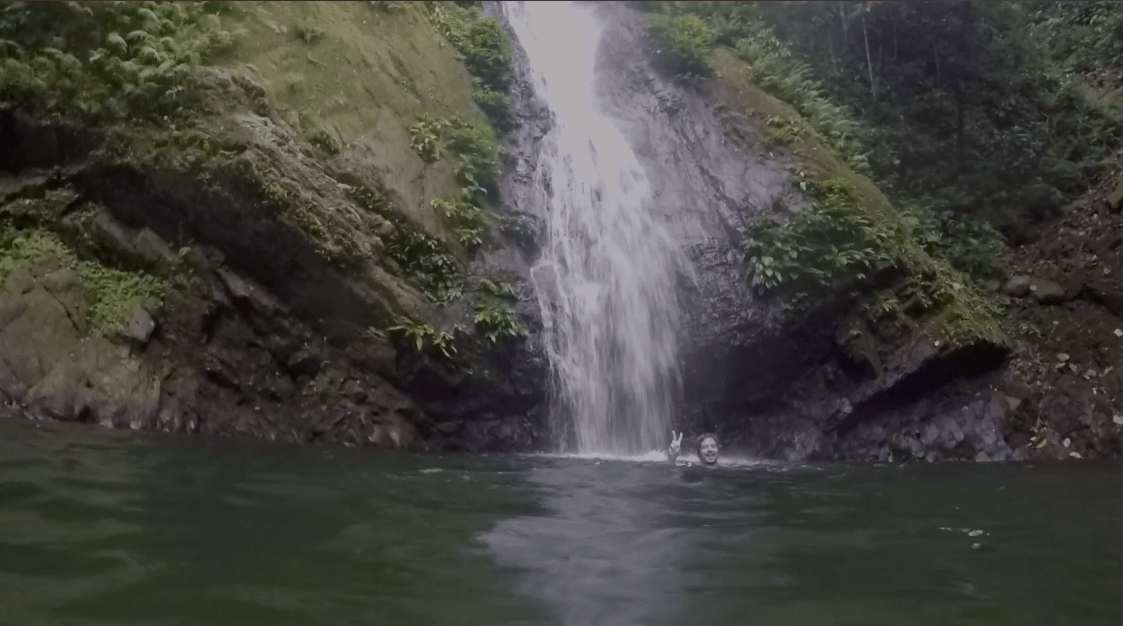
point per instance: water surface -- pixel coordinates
(101, 527)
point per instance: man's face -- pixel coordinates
(707, 451)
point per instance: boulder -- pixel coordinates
(1115, 197)
(138, 326)
(1045, 291)
(1017, 286)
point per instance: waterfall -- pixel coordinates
(606, 276)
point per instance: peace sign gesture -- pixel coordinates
(676, 444)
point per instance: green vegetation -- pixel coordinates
(105, 60)
(495, 317)
(112, 293)
(465, 217)
(486, 50)
(969, 243)
(679, 44)
(471, 142)
(424, 259)
(991, 111)
(496, 105)
(837, 240)
(115, 293)
(426, 137)
(497, 320)
(421, 257)
(977, 120)
(474, 146)
(422, 338)
(832, 241)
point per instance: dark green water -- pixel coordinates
(105, 528)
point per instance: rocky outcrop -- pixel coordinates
(279, 285)
(834, 383)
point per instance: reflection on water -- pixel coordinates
(607, 551)
(104, 528)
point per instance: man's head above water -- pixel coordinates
(708, 448)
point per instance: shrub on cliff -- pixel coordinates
(843, 242)
(496, 105)
(485, 47)
(104, 60)
(970, 244)
(472, 142)
(831, 242)
(679, 44)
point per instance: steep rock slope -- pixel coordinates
(255, 261)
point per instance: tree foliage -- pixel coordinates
(679, 44)
(105, 60)
(994, 110)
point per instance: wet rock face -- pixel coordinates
(221, 356)
(260, 335)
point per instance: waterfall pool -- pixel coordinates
(107, 527)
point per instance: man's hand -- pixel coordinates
(676, 445)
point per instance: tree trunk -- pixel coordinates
(869, 63)
(960, 74)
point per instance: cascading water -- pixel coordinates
(606, 276)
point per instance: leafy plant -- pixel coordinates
(426, 136)
(472, 142)
(496, 105)
(482, 42)
(464, 216)
(424, 259)
(1000, 111)
(475, 145)
(496, 320)
(772, 67)
(498, 289)
(970, 244)
(105, 60)
(679, 44)
(421, 257)
(832, 241)
(485, 47)
(422, 338)
(520, 228)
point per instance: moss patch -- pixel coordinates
(358, 84)
(113, 294)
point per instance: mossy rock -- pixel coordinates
(951, 309)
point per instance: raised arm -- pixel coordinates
(675, 447)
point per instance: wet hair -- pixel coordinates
(705, 436)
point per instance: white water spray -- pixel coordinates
(606, 275)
